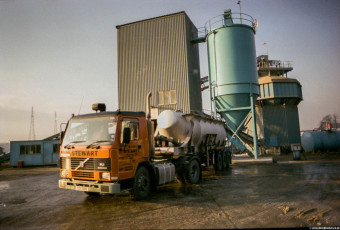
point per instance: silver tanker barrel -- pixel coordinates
(188, 127)
(172, 125)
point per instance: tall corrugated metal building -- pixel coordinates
(157, 55)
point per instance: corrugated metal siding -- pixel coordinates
(152, 56)
(293, 124)
(278, 122)
(193, 68)
(280, 89)
(275, 124)
(282, 123)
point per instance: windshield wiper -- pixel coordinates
(96, 143)
(71, 144)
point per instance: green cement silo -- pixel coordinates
(232, 66)
(233, 71)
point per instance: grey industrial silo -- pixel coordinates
(157, 55)
(277, 116)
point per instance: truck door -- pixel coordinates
(129, 152)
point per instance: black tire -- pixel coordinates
(141, 184)
(192, 172)
(225, 161)
(229, 157)
(218, 161)
(180, 176)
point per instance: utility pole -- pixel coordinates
(31, 135)
(55, 123)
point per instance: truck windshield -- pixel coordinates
(87, 131)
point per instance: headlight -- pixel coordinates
(67, 163)
(105, 176)
(64, 173)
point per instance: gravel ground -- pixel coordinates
(270, 192)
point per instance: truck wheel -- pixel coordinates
(180, 177)
(192, 172)
(225, 161)
(141, 184)
(229, 157)
(218, 161)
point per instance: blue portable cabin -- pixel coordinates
(35, 153)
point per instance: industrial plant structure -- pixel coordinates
(161, 55)
(253, 97)
(277, 106)
(157, 55)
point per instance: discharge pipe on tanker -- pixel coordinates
(148, 118)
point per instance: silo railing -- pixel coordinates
(274, 64)
(236, 18)
(225, 20)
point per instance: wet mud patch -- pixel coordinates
(17, 201)
(302, 213)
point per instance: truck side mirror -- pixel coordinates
(61, 136)
(62, 133)
(126, 135)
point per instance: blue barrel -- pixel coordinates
(232, 66)
(320, 140)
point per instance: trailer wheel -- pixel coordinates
(218, 161)
(141, 184)
(192, 172)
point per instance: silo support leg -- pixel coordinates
(254, 125)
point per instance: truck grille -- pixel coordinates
(82, 174)
(87, 164)
(82, 163)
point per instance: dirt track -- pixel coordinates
(252, 194)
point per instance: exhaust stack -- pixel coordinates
(148, 118)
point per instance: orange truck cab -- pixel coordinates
(101, 149)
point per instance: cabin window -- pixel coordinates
(133, 124)
(30, 149)
(56, 148)
(22, 149)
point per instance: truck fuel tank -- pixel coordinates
(166, 173)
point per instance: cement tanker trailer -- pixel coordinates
(195, 135)
(109, 152)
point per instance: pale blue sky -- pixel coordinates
(55, 52)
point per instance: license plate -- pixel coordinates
(81, 188)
